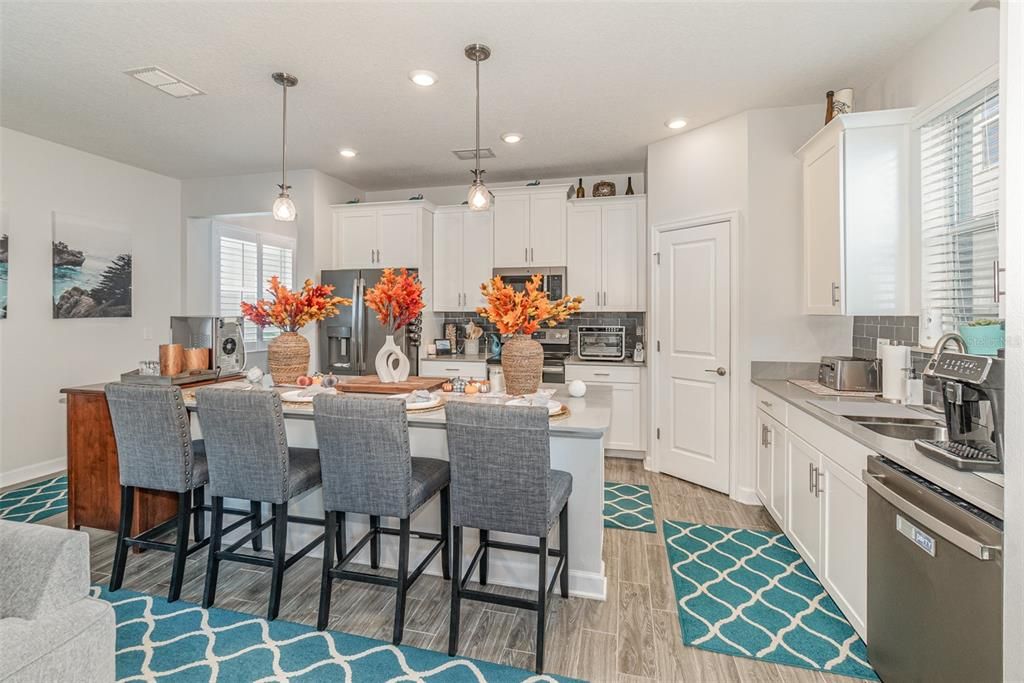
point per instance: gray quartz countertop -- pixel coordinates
(627, 362)
(983, 489)
(588, 418)
(461, 357)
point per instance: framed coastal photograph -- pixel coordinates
(3, 262)
(92, 268)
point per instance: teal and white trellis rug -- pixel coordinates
(628, 506)
(36, 501)
(162, 641)
(748, 593)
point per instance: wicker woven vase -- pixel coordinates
(522, 362)
(288, 357)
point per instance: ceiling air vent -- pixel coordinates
(164, 82)
(470, 154)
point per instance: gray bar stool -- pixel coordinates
(368, 469)
(502, 481)
(155, 451)
(249, 458)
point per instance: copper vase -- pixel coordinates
(522, 363)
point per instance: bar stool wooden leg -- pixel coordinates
(446, 531)
(403, 580)
(198, 514)
(453, 619)
(542, 592)
(280, 543)
(330, 533)
(180, 545)
(256, 508)
(485, 536)
(213, 561)
(375, 542)
(124, 527)
(563, 548)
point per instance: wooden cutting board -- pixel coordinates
(371, 384)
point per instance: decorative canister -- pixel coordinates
(984, 337)
(288, 357)
(522, 363)
(604, 188)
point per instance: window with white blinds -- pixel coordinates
(246, 260)
(960, 210)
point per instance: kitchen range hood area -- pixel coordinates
(511, 341)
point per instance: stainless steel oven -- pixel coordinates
(552, 279)
(935, 581)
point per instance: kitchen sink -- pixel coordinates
(923, 421)
(921, 430)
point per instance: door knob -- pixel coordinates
(718, 371)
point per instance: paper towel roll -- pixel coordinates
(895, 364)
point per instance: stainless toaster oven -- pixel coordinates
(605, 342)
(846, 373)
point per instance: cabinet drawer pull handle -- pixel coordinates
(451, 369)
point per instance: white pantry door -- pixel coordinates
(692, 392)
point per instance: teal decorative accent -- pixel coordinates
(747, 593)
(628, 506)
(36, 501)
(162, 641)
(984, 340)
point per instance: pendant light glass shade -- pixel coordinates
(479, 196)
(284, 208)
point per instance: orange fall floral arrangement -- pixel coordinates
(290, 310)
(523, 312)
(397, 299)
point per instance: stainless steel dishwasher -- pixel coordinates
(935, 575)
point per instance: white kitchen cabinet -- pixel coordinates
(771, 466)
(463, 255)
(844, 536)
(452, 368)
(856, 216)
(807, 476)
(383, 235)
(803, 510)
(529, 226)
(626, 432)
(606, 259)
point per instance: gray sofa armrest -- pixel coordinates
(42, 569)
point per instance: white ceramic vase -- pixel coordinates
(391, 364)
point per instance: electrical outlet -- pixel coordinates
(147, 333)
(879, 343)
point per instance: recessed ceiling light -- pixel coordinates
(423, 78)
(675, 124)
(348, 152)
(511, 138)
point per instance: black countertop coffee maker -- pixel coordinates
(973, 399)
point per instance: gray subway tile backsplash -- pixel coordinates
(631, 321)
(902, 330)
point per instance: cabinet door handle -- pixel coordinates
(835, 294)
(531, 254)
(996, 292)
(818, 476)
(810, 478)
(763, 428)
(378, 256)
(767, 436)
(767, 404)
(526, 254)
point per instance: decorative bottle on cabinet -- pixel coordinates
(579, 190)
(629, 185)
(828, 106)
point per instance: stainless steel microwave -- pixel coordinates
(552, 279)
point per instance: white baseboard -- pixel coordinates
(746, 495)
(34, 471)
(620, 453)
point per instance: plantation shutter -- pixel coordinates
(277, 260)
(959, 210)
(239, 279)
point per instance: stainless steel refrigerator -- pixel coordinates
(349, 341)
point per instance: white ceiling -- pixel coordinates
(588, 84)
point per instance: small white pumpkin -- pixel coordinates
(577, 388)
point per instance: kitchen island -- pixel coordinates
(577, 446)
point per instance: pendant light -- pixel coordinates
(284, 207)
(479, 195)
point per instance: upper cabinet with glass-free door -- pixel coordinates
(383, 235)
(606, 254)
(529, 226)
(462, 257)
(856, 215)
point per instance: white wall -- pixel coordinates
(745, 163)
(38, 354)
(962, 47)
(456, 194)
(312, 191)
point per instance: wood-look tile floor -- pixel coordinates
(633, 636)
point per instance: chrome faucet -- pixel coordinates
(961, 346)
